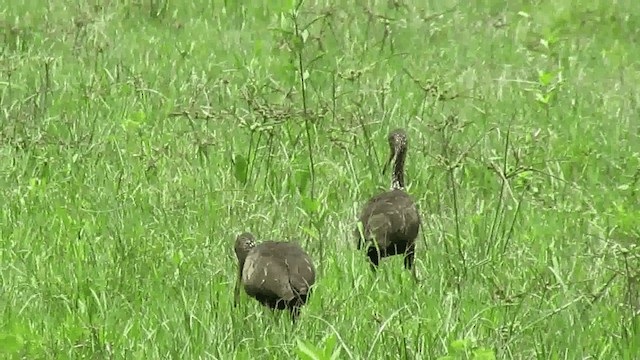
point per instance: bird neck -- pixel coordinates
(397, 177)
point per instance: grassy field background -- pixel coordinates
(139, 138)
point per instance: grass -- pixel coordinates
(138, 138)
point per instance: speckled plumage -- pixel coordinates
(390, 220)
(279, 275)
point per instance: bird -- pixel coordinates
(389, 222)
(278, 275)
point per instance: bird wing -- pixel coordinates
(292, 260)
(278, 269)
(264, 276)
(389, 215)
(301, 272)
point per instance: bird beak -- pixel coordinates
(236, 290)
(236, 294)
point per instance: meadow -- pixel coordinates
(138, 138)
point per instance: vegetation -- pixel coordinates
(138, 138)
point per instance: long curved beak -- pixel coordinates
(236, 290)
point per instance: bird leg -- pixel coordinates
(295, 303)
(236, 294)
(294, 312)
(374, 258)
(409, 256)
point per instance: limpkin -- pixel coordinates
(279, 275)
(390, 220)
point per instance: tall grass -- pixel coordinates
(138, 138)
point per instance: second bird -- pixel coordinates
(277, 274)
(390, 220)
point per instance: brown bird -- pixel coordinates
(279, 275)
(390, 220)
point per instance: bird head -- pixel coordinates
(397, 146)
(244, 243)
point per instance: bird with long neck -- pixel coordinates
(390, 221)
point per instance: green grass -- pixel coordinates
(138, 138)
